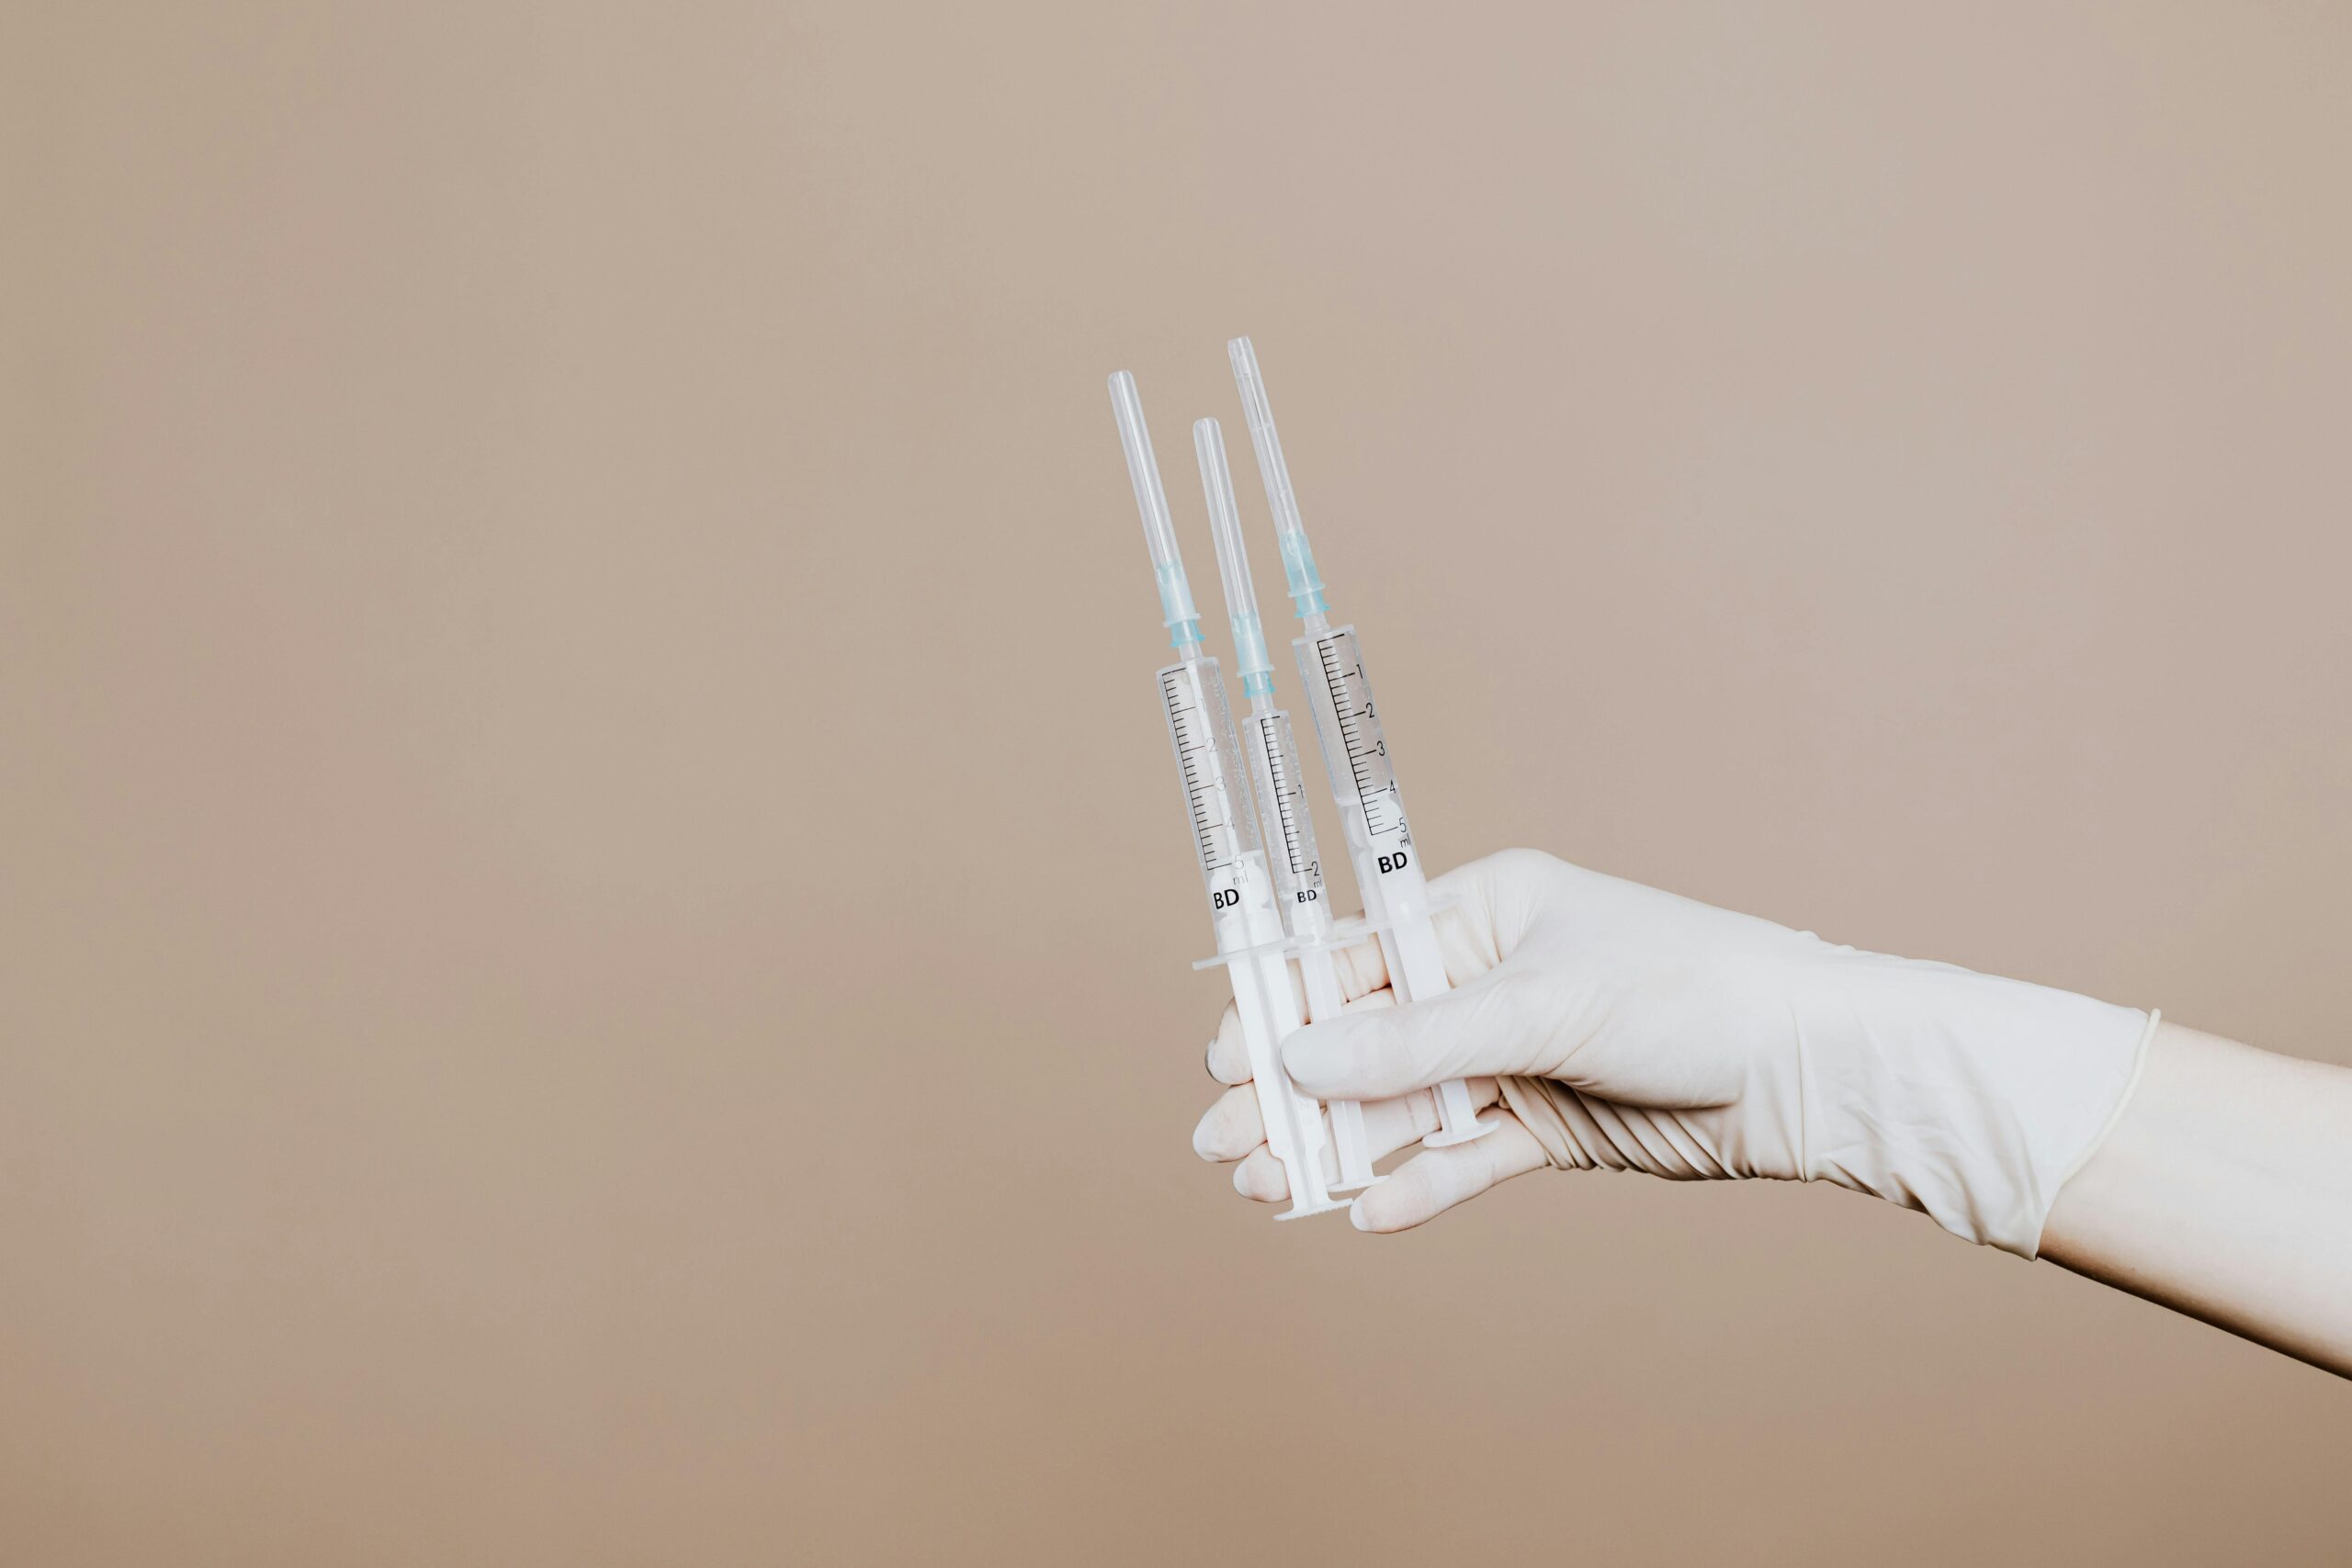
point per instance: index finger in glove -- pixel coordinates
(1495, 1024)
(1362, 979)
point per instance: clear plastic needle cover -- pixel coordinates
(1304, 583)
(1250, 660)
(1177, 614)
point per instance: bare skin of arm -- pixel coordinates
(2224, 1192)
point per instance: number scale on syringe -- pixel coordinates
(1207, 793)
(1337, 679)
(1299, 873)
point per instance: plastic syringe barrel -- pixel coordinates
(1289, 827)
(1250, 931)
(1355, 757)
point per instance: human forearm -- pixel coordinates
(2225, 1191)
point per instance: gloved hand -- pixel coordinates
(1629, 1029)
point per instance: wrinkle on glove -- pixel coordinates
(1970, 1098)
(1632, 1029)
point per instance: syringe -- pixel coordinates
(1225, 835)
(1355, 756)
(1282, 803)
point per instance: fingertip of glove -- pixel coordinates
(1308, 1057)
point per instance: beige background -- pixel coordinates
(592, 948)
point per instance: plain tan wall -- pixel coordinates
(593, 945)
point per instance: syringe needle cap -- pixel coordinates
(1250, 657)
(1151, 501)
(1303, 582)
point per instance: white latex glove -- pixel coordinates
(1634, 1029)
